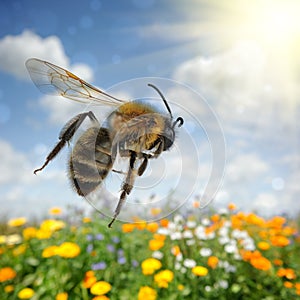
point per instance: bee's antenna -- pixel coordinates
(162, 96)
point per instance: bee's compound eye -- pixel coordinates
(169, 136)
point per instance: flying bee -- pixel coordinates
(134, 130)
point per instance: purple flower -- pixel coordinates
(122, 260)
(99, 237)
(120, 252)
(89, 237)
(110, 248)
(99, 266)
(115, 239)
(89, 248)
(134, 263)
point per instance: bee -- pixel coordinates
(134, 131)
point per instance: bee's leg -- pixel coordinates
(159, 149)
(144, 164)
(126, 187)
(66, 135)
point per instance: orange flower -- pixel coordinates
(231, 206)
(287, 273)
(236, 222)
(279, 241)
(212, 262)
(89, 279)
(175, 250)
(261, 263)
(278, 262)
(215, 218)
(155, 244)
(288, 284)
(141, 225)
(255, 220)
(102, 297)
(263, 245)
(9, 288)
(155, 211)
(276, 222)
(152, 227)
(159, 237)
(196, 204)
(7, 273)
(127, 227)
(287, 231)
(164, 222)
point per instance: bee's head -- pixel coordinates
(169, 133)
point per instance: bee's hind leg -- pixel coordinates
(126, 187)
(66, 135)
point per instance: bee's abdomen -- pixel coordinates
(90, 160)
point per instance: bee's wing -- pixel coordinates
(51, 79)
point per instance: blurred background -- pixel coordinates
(241, 57)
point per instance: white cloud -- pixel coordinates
(15, 50)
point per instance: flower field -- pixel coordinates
(224, 255)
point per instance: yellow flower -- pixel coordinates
(163, 278)
(61, 296)
(2, 239)
(9, 288)
(49, 251)
(68, 250)
(155, 211)
(263, 245)
(19, 250)
(7, 273)
(155, 244)
(147, 293)
(231, 206)
(86, 220)
(180, 287)
(29, 233)
(17, 222)
(200, 271)
(127, 227)
(150, 265)
(42, 234)
(55, 211)
(26, 293)
(100, 288)
(52, 225)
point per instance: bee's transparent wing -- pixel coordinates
(51, 79)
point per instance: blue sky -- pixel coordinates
(231, 69)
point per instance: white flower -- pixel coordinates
(177, 266)
(222, 284)
(176, 235)
(13, 239)
(239, 234)
(191, 224)
(223, 231)
(163, 231)
(157, 254)
(205, 252)
(189, 263)
(187, 234)
(179, 257)
(183, 270)
(224, 240)
(205, 222)
(172, 226)
(211, 235)
(231, 248)
(200, 232)
(208, 288)
(227, 224)
(223, 211)
(190, 242)
(178, 219)
(248, 244)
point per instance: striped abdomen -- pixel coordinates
(90, 160)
